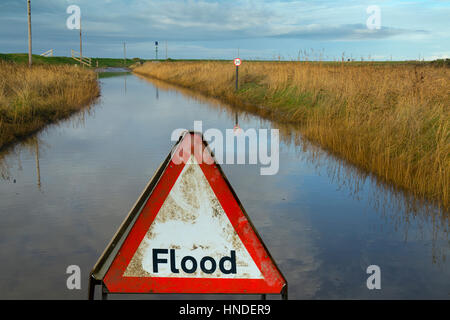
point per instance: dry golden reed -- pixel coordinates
(30, 98)
(392, 120)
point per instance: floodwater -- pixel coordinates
(64, 193)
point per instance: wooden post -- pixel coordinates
(29, 34)
(124, 55)
(237, 78)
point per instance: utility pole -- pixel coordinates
(81, 46)
(29, 33)
(124, 54)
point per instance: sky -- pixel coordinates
(218, 29)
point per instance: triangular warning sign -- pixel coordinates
(188, 233)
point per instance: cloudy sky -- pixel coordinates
(260, 29)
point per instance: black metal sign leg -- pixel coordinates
(91, 289)
(104, 292)
(284, 292)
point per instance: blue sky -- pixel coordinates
(216, 29)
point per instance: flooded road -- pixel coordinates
(64, 193)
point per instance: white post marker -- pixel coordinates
(237, 62)
(188, 233)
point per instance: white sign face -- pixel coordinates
(237, 62)
(191, 236)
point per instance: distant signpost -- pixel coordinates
(237, 62)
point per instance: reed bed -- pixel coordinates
(392, 120)
(30, 98)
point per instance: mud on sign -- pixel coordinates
(188, 233)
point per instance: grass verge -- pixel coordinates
(392, 120)
(22, 58)
(30, 98)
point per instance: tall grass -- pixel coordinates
(390, 120)
(32, 97)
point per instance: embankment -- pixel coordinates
(392, 120)
(30, 98)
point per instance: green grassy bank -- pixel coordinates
(31, 98)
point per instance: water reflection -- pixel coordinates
(64, 192)
(125, 82)
(399, 207)
(38, 170)
(33, 145)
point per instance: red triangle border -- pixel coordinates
(272, 282)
